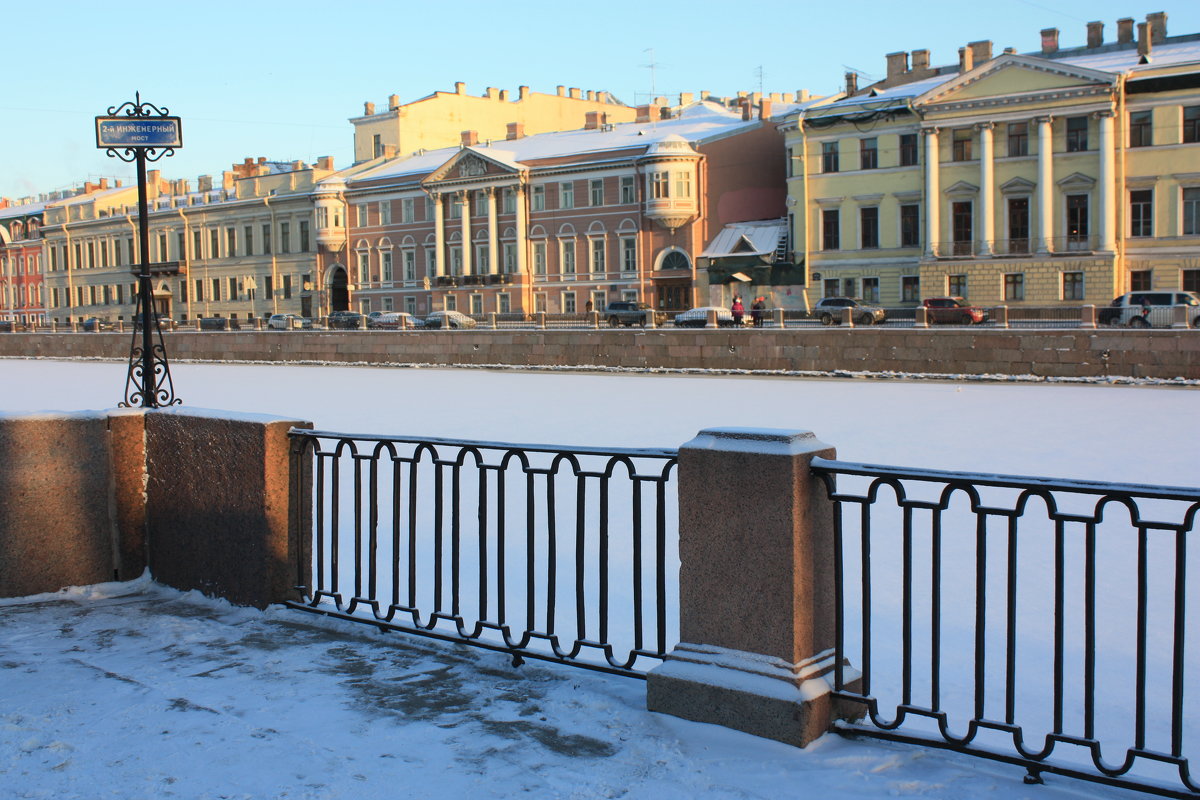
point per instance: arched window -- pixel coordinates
(676, 259)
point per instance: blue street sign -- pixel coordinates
(138, 132)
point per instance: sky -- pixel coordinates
(281, 79)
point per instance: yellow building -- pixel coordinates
(1067, 176)
(437, 120)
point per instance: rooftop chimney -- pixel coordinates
(646, 112)
(591, 94)
(851, 83)
(1095, 34)
(204, 183)
(516, 130)
(493, 93)
(747, 106)
(920, 61)
(981, 52)
(1158, 26)
(1049, 41)
(368, 109)
(591, 120)
(389, 151)
(764, 109)
(897, 64)
(504, 95)
(522, 92)
(325, 162)
(686, 98)
(966, 59)
(1145, 38)
(460, 87)
(802, 95)
(561, 91)
(469, 138)
(574, 93)
(1125, 30)
(393, 102)
(227, 180)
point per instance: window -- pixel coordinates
(376, 145)
(908, 149)
(233, 289)
(214, 242)
(1018, 224)
(483, 259)
(456, 260)
(266, 239)
(503, 303)
(454, 208)
(683, 183)
(410, 305)
(831, 287)
(596, 192)
(385, 264)
(231, 241)
(598, 256)
(1018, 138)
(410, 264)
(162, 247)
(216, 290)
(481, 204)
(1191, 212)
(303, 236)
(538, 198)
(1077, 219)
(360, 212)
(1140, 280)
(450, 303)
(1077, 134)
(660, 185)
(539, 258)
(199, 291)
(197, 246)
(408, 209)
(956, 285)
(510, 257)
(566, 195)
(629, 259)
(568, 257)
(868, 219)
(389, 304)
(910, 288)
(476, 304)
(1072, 286)
(1141, 212)
(568, 302)
(385, 213)
(1191, 280)
(910, 226)
(508, 201)
(1014, 286)
(868, 153)
(1140, 128)
(430, 261)
(962, 227)
(849, 287)
(285, 237)
(961, 142)
(870, 290)
(830, 229)
(364, 267)
(269, 286)
(248, 241)
(1191, 124)
(829, 157)
(628, 189)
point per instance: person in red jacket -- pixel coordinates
(738, 310)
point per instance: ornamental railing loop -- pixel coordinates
(555, 553)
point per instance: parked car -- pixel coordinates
(391, 321)
(165, 323)
(1150, 309)
(219, 324)
(448, 319)
(953, 311)
(287, 322)
(93, 324)
(12, 326)
(831, 311)
(628, 313)
(698, 317)
(345, 320)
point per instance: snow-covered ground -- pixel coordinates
(106, 693)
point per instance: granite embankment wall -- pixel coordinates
(1172, 353)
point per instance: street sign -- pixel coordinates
(138, 132)
(158, 268)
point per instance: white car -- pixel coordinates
(1150, 309)
(698, 317)
(287, 322)
(448, 319)
(392, 321)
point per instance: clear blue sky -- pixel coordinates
(279, 79)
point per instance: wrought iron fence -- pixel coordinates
(1061, 647)
(563, 554)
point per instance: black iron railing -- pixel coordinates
(1034, 621)
(563, 554)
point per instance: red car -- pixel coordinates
(953, 311)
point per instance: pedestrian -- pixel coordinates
(738, 310)
(758, 311)
(589, 306)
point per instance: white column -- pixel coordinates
(465, 199)
(439, 234)
(932, 192)
(987, 190)
(1045, 187)
(493, 233)
(522, 232)
(1108, 192)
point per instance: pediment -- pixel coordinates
(744, 245)
(1077, 180)
(961, 188)
(471, 164)
(1012, 74)
(1017, 185)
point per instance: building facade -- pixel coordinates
(22, 294)
(1066, 176)
(559, 222)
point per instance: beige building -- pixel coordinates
(1065, 176)
(243, 248)
(437, 120)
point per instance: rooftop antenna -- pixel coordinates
(653, 89)
(759, 73)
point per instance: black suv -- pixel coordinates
(629, 313)
(345, 320)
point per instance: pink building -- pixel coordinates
(555, 221)
(21, 291)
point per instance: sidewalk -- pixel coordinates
(137, 691)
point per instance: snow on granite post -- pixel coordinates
(1087, 316)
(756, 587)
(921, 319)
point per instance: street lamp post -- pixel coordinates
(141, 132)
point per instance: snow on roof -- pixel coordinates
(22, 210)
(695, 123)
(84, 198)
(757, 238)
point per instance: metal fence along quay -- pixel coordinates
(1015, 657)
(546, 552)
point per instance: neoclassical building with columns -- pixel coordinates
(557, 222)
(1066, 176)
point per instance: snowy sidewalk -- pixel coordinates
(138, 691)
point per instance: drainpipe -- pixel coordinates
(70, 272)
(274, 264)
(804, 208)
(1122, 204)
(187, 236)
